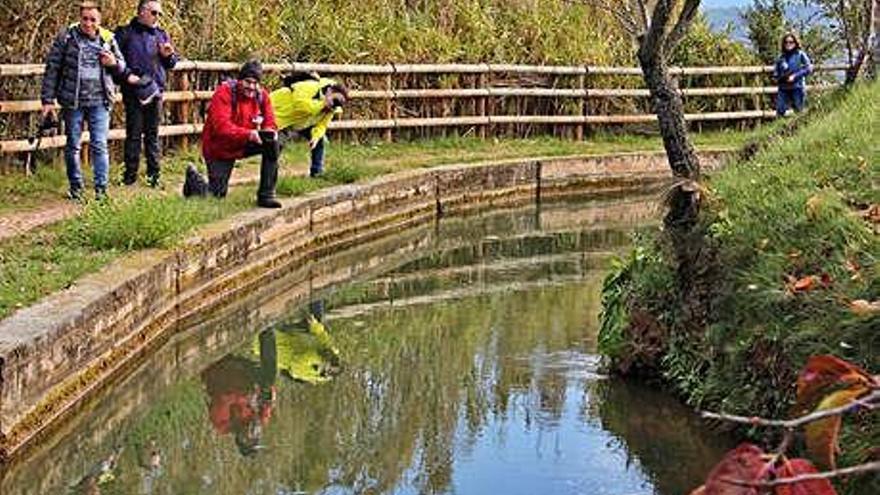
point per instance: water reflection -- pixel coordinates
(465, 364)
(242, 394)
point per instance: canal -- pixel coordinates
(462, 359)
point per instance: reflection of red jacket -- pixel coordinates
(229, 405)
(225, 134)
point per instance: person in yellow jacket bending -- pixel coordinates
(305, 106)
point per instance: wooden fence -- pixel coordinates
(397, 100)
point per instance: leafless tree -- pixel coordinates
(657, 27)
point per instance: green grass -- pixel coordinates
(23, 193)
(44, 261)
(790, 212)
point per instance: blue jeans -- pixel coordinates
(98, 119)
(317, 162)
(792, 96)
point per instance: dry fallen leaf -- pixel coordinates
(804, 284)
(863, 307)
(872, 214)
(813, 204)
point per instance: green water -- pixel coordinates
(466, 365)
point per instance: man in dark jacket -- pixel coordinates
(240, 123)
(148, 54)
(80, 67)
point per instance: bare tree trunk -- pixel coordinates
(869, 45)
(669, 107)
(694, 259)
(874, 41)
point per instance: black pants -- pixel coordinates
(141, 126)
(219, 171)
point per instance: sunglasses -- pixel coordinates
(156, 13)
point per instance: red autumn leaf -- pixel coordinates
(823, 375)
(804, 283)
(821, 436)
(796, 467)
(744, 464)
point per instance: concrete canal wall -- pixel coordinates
(56, 354)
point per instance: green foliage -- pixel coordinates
(141, 222)
(789, 213)
(18, 190)
(768, 20)
(38, 264)
(347, 173)
(292, 186)
(636, 296)
(614, 316)
(703, 46)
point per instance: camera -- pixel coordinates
(47, 124)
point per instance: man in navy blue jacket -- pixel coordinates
(149, 53)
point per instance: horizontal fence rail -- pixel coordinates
(482, 94)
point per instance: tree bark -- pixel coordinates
(669, 107)
(874, 40)
(695, 261)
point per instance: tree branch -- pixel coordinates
(869, 402)
(859, 468)
(642, 8)
(685, 19)
(624, 16)
(654, 41)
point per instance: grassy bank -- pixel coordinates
(793, 250)
(20, 193)
(49, 259)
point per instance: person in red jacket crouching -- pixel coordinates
(240, 123)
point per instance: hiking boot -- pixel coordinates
(154, 182)
(100, 194)
(128, 178)
(268, 203)
(75, 194)
(194, 184)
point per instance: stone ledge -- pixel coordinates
(55, 354)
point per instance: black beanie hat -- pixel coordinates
(251, 68)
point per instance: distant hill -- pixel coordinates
(722, 13)
(720, 18)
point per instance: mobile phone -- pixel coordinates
(267, 135)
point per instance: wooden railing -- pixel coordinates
(380, 94)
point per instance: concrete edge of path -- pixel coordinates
(60, 352)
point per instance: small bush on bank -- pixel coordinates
(292, 186)
(141, 222)
(793, 251)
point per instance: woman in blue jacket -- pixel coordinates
(790, 72)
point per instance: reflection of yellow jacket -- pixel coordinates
(310, 357)
(301, 106)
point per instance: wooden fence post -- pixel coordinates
(481, 103)
(585, 85)
(582, 108)
(183, 112)
(389, 106)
